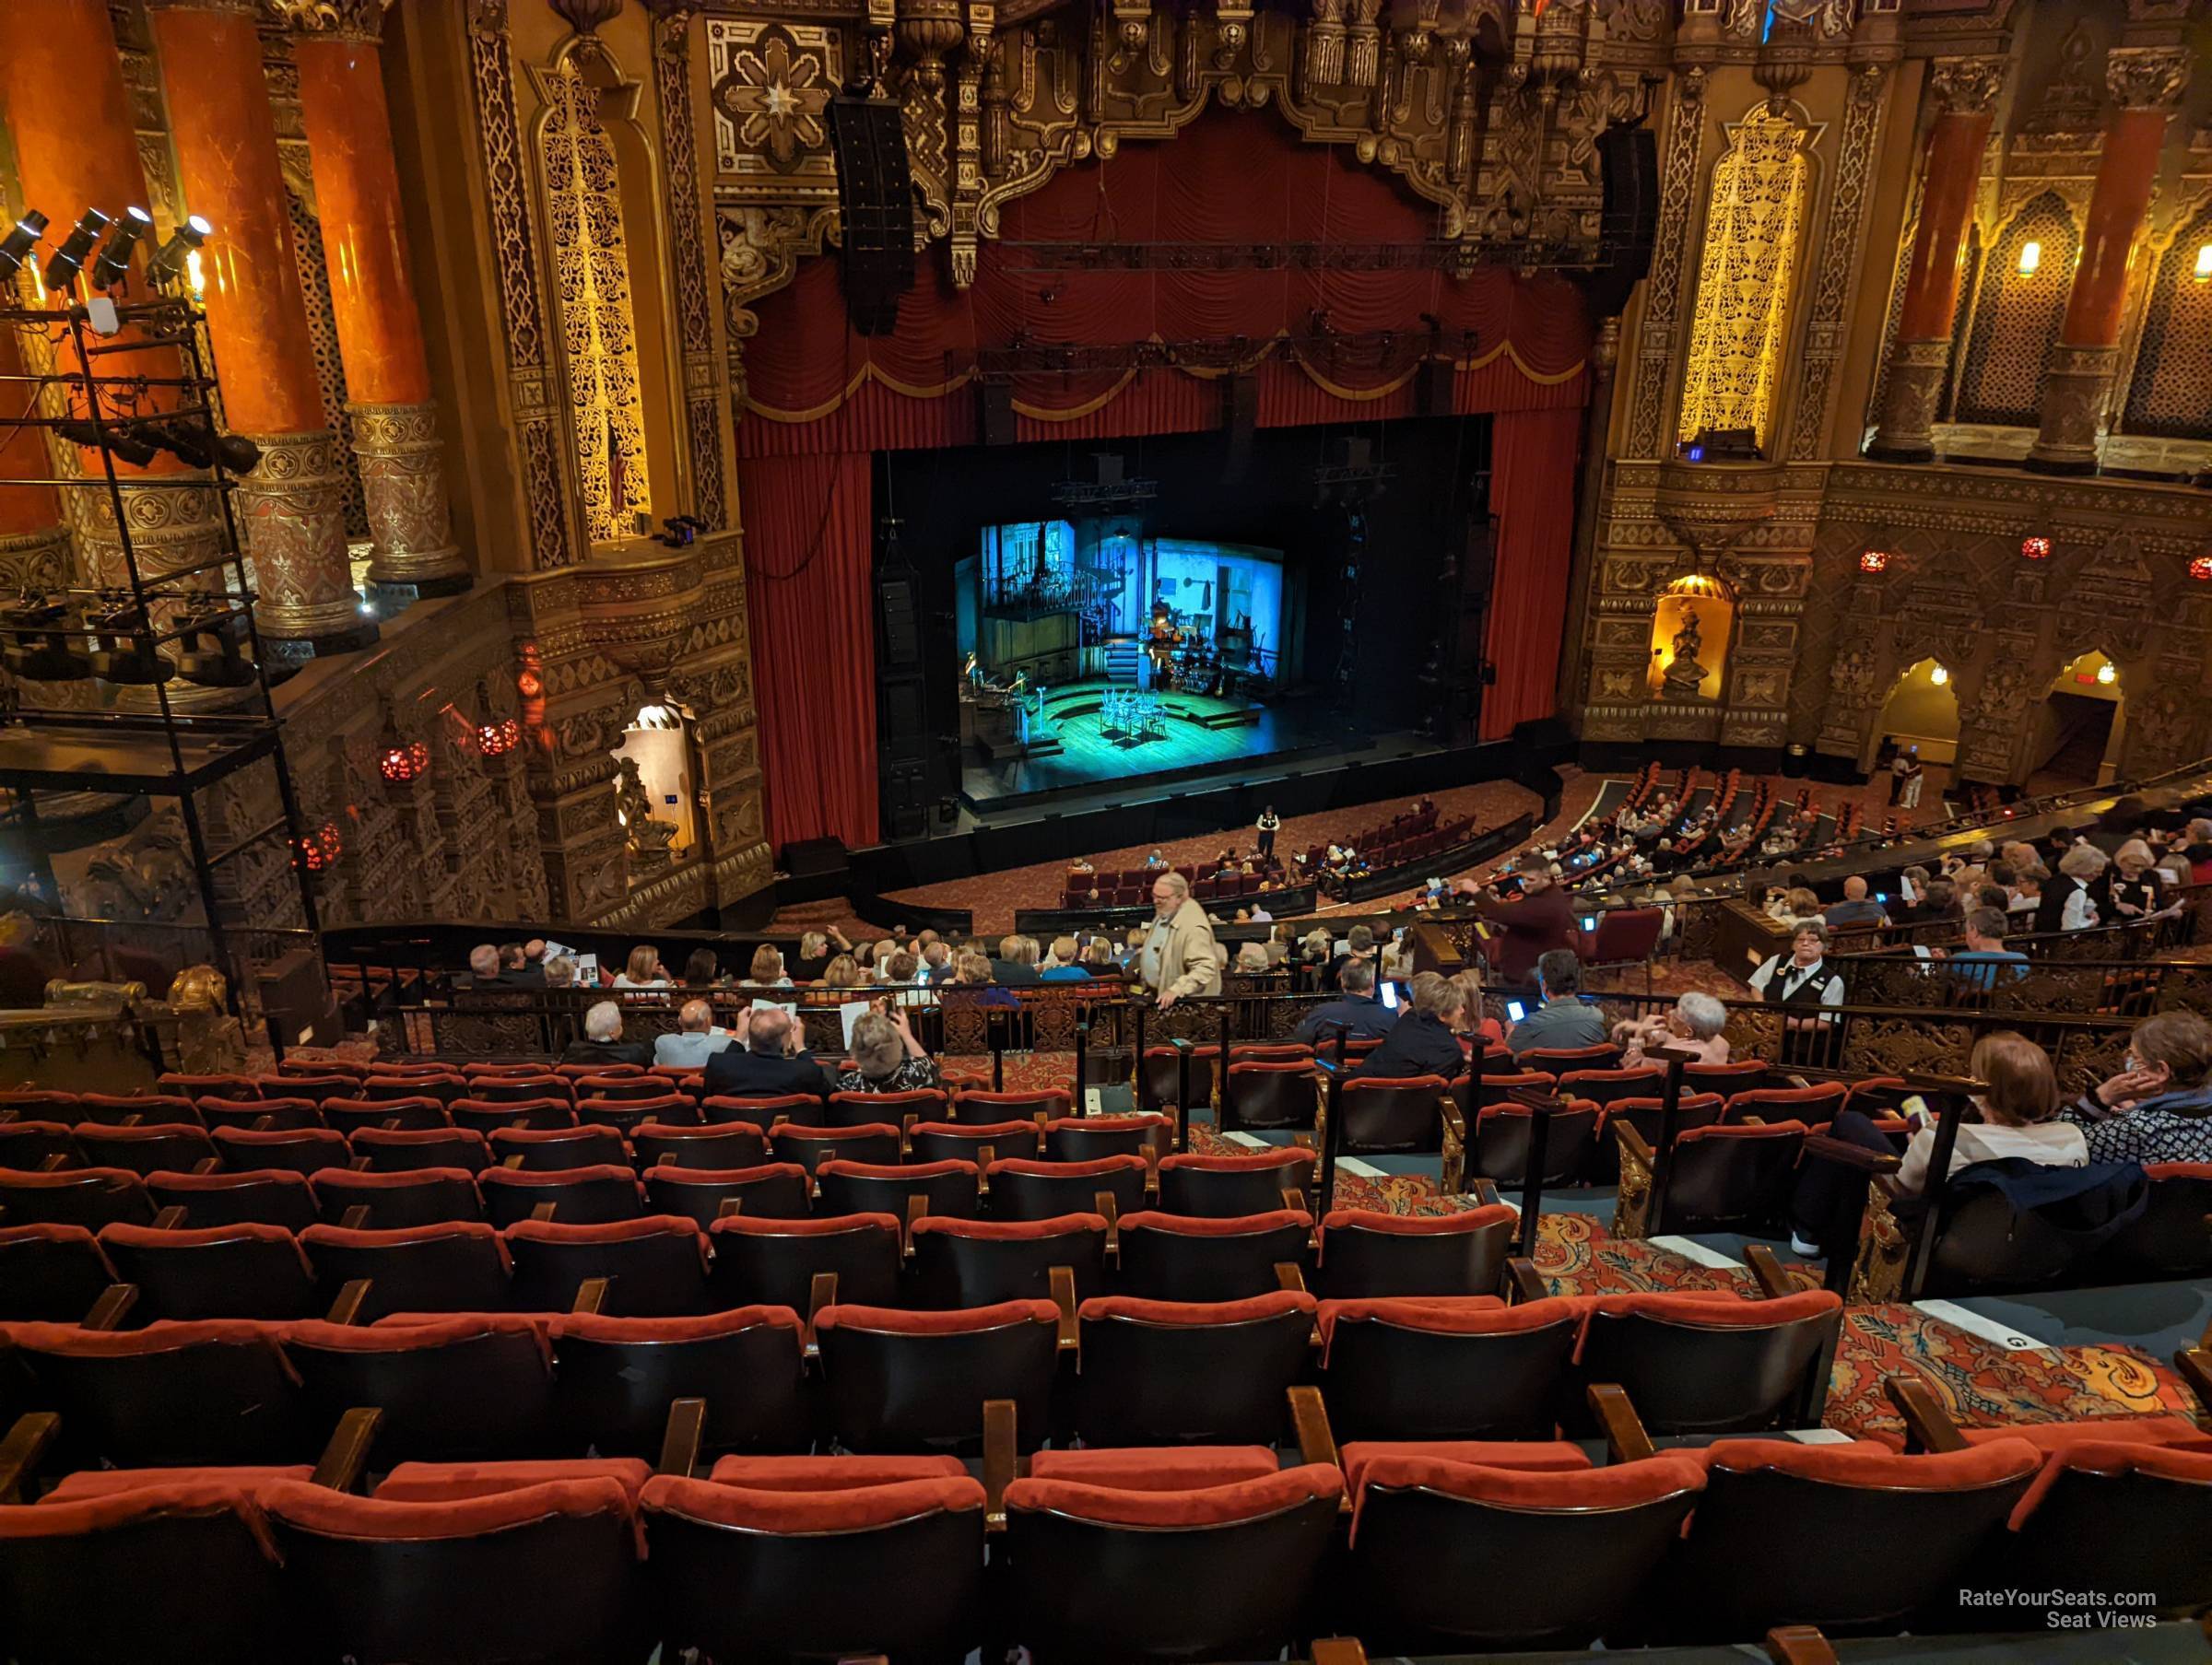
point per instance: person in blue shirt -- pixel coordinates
(1977, 964)
(1062, 965)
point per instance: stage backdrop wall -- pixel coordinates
(819, 398)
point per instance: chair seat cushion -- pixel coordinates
(451, 1481)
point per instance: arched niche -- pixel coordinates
(1691, 622)
(2080, 727)
(604, 230)
(2020, 299)
(658, 740)
(1922, 714)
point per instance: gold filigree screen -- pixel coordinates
(2016, 314)
(599, 336)
(1745, 275)
(2172, 392)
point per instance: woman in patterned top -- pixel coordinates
(887, 1057)
(2158, 1109)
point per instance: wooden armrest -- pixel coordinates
(679, 1445)
(1798, 1645)
(355, 1218)
(390, 1124)
(265, 1124)
(113, 1306)
(209, 1165)
(352, 1297)
(1064, 1296)
(1103, 1201)
(1928, 1427)
(2195, 1366)
(1523, 1281)
(513, 1165)
(916, 1207)
(1338, 1651)
(545, 1211)
(1294, 1200)
(1634, 1147)
(1851, 1155)
(23, 1449)
(1625, 1437)
(54, 1162)
(820, 1293)
(345, 1458)
(134, 1120)
(1316, 1443)
(1485, 1191)
(172, 1218)
(730, 1208)
(359, 1164)
(1773, 1283)
(999, 1461)
(1288, 1276)
(591, 1294)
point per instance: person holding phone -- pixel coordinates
(1422, 1041)
(1355, 1009)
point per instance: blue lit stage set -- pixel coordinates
(1092, 651)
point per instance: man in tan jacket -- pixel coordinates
(1180, 956)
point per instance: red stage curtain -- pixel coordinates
(810, 562)
(1532, 493)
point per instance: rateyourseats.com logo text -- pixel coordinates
(2071, 1608)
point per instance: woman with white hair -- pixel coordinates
(885, 1056)
(1252, 959)
(1693, 1026)
(2133, 887)
(2069, 902)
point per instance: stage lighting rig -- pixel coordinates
(128, 447)
(171, 261)
(63, 264)
(196, 445)
(113, 263)
(19, 242)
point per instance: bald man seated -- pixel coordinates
(1856, 910)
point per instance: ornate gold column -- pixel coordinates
(73, 153)
(290, 508)
(372, 298)
(1965, 90)
(2146, 84)
(34, 546)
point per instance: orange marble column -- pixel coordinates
(2145, 83)
(74, 152)
(34, 549)
(291, 508)
(1966, 90)
(372, 298)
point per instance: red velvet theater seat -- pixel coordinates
(660, 1144)
(896, 1380)
(946, 1189)
(399, 1150)
(657, 1266)
(302, 1150)
(1448, 1366)
(464, 1386)
(1696, 1365)
(428, 1196)
(543, 1149)
(546, 1572)
(981, 1262)
(1104, 1575)
(1169, 1373)
(458, 1267)
(1471, 1546)
(967, 1141)
(1365, 1252)
(482, 1116)
(89, 1196)
(580, 1196)
(811, 1558)
(616, 1376)
(50, 1273)
(770, 1191)
(349, 1116)
(1023, 1189)
(1380, 1114)
(876, 1142)
(270, 1196)
(1167, 1257)
(282, 1114)
(145, 1149)
(1225, 1187)
(1087, 1138)
(773, 1262)
(220, 1272)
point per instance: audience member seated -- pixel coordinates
(643, 969)
(483, 970)
(1358, 945)
(1355, 1010)
(1017, 961)
(1063, 965)
(2069, 901)
(2018, 1117)
(1422, 1041)
(972, 982)
(561, 972)
(1475, 1030)
(1985, 951)
(1694, 1025)
(517, 968)
(702, 971)
(1856, 910)
(2158, 1109)
(885, 1056)
(602, 1042)
(697, 1042)
(1562, 1021)
(773, 1061)
(768, 969)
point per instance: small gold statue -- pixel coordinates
(646, 838)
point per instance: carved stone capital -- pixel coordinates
(331, 19)
(2147, 77)
(1967, 86)
(2075, 382)
(1906, 430)
(403, 487)
(291, 514)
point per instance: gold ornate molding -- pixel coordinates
(2147, 77)
(403, 487)
(1967, 86)
(1678, 176)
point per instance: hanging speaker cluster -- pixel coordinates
(876, 203)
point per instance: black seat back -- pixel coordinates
(774, 1264)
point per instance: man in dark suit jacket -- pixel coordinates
(1362, 1016)
(603, 1041)
(774, 1061)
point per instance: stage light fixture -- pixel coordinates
(19, 242)
(66, 262)
(113, 261)
(197, 445)
(128, 446)
(171, 260)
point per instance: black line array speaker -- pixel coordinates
(903, 736)
(876, 202)
(1240, 416)
(1628, 217)
(1432, 387)
(995, 413)
(902, 625)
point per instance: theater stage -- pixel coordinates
(1078, 742)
